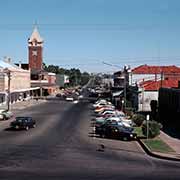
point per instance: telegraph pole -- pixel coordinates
(9, 93)
(161, 79)
(124, 94)
(147, 126)
(125, 89)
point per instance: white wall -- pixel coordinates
(137, 78)
(108, 81)
(145, 98)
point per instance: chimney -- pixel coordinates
(20, 64)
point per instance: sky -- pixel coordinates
(93, 35)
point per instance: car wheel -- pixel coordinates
(4, 118)
(34, 125)
(27, 128)
(16, 127)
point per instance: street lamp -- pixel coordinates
(147, 126)
(123, 105)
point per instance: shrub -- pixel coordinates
(154, 129)
(138, 119)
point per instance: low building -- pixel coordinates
(46, 82)
(15, 81)
(152, 73)
(149, 79)
(62, 80)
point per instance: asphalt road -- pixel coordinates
(62, 146)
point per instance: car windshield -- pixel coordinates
(21, 119)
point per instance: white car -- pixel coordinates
(108, 112)
(69, 99)
(101, 103)
(120, 121)
(4, 114)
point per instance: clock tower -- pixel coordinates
(35, 47)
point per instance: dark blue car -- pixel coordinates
(23, 123)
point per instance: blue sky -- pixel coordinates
(84, 33)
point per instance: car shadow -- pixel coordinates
(94, 135)
(11, 129)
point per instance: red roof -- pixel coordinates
(155, 85)
(145, 69)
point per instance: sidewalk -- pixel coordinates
(24, 104)
(174, 143)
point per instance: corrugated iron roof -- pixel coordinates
(145, 69)
(155, 85)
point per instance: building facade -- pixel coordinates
(149, 79)
(14, 80)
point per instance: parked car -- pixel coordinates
(101, 103)
(114, 129)
(4, 114)
(23, 123)
(103, 108)
(69, 99)
(101, 121)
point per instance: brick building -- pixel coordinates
(35, 51)
(39, 78)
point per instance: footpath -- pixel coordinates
(24, 104)
(172, 142)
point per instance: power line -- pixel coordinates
(81, 26)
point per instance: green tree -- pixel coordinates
(84, 78)
(154, 129)
(75, 75)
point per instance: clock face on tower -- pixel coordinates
(34, 53)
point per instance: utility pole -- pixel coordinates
(125, 89)
(143, 98)
(161, 79)
(41, 93)
(124, 94)
(147, 126)
(9, 93)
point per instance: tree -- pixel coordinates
(75, 75)
(84, 78)
(154, 129)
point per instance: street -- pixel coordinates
(63, 146)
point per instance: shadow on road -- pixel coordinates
(94, 135)
(12, 129)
